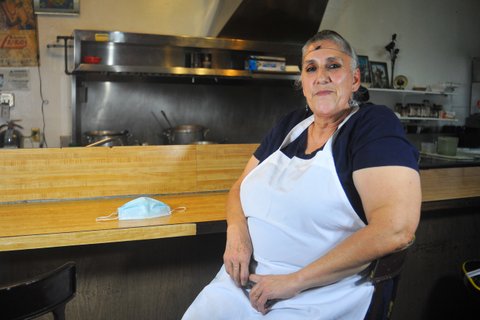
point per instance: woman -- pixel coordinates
(329, 190)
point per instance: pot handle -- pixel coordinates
(205, 131)
(100, 142)
(168, 133)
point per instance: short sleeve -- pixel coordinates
(380, 140)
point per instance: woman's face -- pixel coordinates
(327, 78)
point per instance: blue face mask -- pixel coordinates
(140, 208)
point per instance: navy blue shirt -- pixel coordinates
(372, 137)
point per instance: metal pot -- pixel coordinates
(185, 134)
(106, 138)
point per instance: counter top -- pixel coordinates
(67, 223)
(51, 197)
(72, 222)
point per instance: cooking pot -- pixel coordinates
(10, 137)
(185, 134)
(106, 138)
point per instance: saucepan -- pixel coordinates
(106, 138)
(186, 134)
(183, 134)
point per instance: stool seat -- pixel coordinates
(49, 292)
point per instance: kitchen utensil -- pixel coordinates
(185, 134)
(428, 147)
(107, 138)
(447, 145)
(168, 121)
(11, 137)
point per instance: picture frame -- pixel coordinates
(365, 70)
(65, 7)
(379, 74)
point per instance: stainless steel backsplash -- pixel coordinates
(234, 111)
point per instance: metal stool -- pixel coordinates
(385, 276)
(46, 293)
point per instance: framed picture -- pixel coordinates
(379, 74)
(365, 71)
(65, 7)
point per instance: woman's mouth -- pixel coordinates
(322, 93)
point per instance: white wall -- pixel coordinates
(175, 17)
(437, 38)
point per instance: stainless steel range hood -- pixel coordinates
(288, 21)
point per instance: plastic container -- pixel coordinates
(447, 146)
(91, 59)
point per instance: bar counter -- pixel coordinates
(69, 223)
(154, 268)
(34, 225)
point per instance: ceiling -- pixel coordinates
(275, 20)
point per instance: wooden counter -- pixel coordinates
(67, 223)
(205, 171)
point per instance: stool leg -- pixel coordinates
(59, 313)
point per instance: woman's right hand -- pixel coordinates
(238, 252)
(238, 249)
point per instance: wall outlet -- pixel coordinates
(7, 99)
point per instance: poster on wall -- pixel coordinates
(18, 34)
(15, 79)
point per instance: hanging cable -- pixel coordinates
(44, 139)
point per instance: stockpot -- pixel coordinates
(185, 134)
(106, 138)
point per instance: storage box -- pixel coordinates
(265, 63)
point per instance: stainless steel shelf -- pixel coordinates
(183, 71)
(417, 92)
(426, 119)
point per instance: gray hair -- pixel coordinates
(344, 46)
(338, 40)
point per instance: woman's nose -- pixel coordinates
(322, 76)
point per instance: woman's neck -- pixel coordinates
(322, 129)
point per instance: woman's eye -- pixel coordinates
(310, 68)
(334, 66)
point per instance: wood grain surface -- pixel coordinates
(76, 173)
(51, 197)
(450, 183)
(66, 223)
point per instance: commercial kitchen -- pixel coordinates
(159, 99)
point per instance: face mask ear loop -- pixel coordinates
(110, 217)
(179, 209)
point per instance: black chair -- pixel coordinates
(46, 293)
(385, 275)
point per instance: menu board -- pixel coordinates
(18, 34)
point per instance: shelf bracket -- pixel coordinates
(65, 45)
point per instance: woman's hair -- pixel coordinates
(338, 40)
(342, 44)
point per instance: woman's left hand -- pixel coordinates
(269, 288)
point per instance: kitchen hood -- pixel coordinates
(275, 20)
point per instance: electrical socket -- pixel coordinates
(7, 99)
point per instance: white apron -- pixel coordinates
(297, 211)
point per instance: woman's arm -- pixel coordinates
(238, 249)
(391, 197)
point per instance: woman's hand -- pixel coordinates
(238, 251)
(270, 288)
